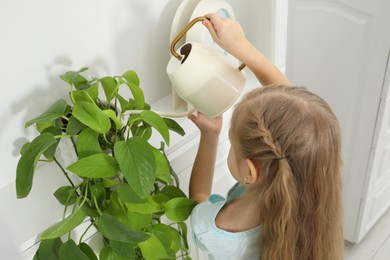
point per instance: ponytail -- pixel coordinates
(279, 200)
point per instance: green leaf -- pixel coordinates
(71, 77)
(95, 166)
(28, 162)
(74, 126)
(81, 83)
(89, 211)
(183, 231)
(88, 143)
(109, 85)
(93, 91)
(42, 126)
(49, 249)
(70, 250)
(98, 192)
(117, 209)
(112, 229)
(55, 111)
(144, 131)
(138, 95)
(85, 92)
(88, 251)
(90, 115)
(173, 192)
(162, 167)
(66, 195)
(161, 199)
(168, 236)
(108, 183)
(108, 254)
(111, 114)
(174, 126)
(179, 209)
(24, 148)
(137, 163)
(131, 77)
(134, 120)
(123, 249)
(139, 221)
(157, 122)
(64, 226)
(153, 249)
(50, 152)
(147, 207)
(126, 104)
(82, 95)
(127, 194)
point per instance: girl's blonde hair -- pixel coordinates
(295, 138)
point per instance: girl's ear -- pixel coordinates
(254, 171)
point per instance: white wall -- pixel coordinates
(42, 39)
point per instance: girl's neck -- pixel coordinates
(239, 215)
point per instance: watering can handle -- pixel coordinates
(181, 34)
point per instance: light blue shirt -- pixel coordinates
(218, 243)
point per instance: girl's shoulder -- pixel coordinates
(219, 243)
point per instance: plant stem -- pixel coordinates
(105, 139)
(85, 195)
(116, 101)
(171, 170)
(75, 191)
(63, 170)
(144, 131)
(74, 146)
(73, 210)
(97, 206)
(40, 160)
(71, 94)
(85, 232)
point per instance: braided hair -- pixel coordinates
(295, 137)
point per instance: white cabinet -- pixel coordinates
(182, 159)
(339, 49)
(377, 199)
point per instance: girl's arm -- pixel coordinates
(203, 169)
(229, 35)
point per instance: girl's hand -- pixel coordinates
(227, 33)
(206, 125)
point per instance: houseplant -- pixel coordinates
(120, 184)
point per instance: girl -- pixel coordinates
(286, 157)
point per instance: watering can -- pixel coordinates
(203, 76)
